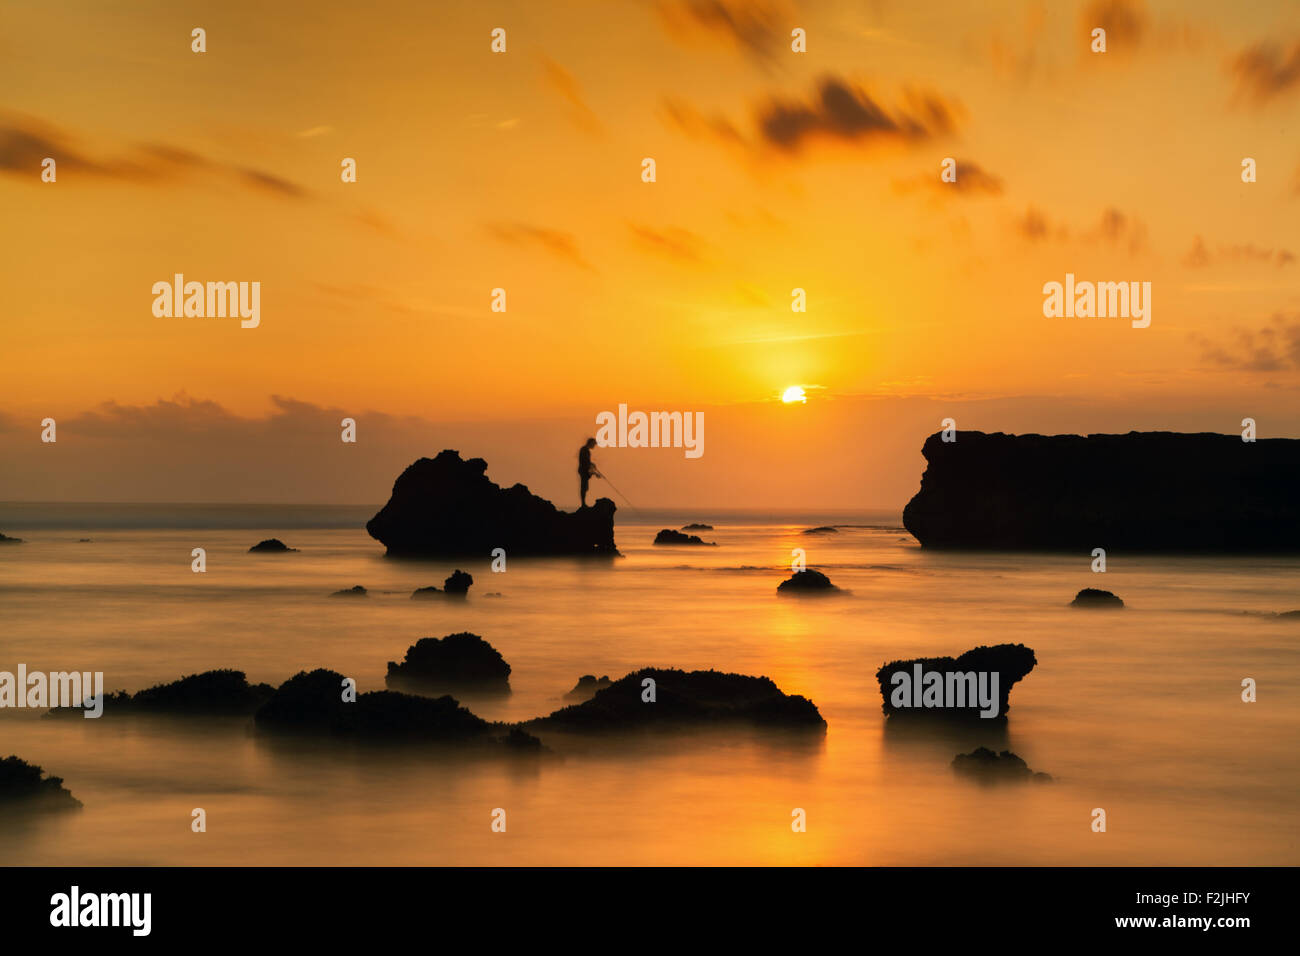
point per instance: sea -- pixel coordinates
(1138, 713)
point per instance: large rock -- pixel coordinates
(445, 506)
(1144, 491)
(686, 699)
(1010, 662)
(457, 663)
(22, 787)
(209, 694)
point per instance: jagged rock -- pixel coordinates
(445, 506)
(685, 699)
(208, 694)
(806, 581)
(354, 591)
(587, 685)
(1095, 597)
(824, 529)
(1144, 491)
(697, 527)
(270, 546)
(5, 539)
(461, 662)
(1010, 662)
(986, 766)
(312, 704)
(458, 582)
(669, 536)
(22, 787)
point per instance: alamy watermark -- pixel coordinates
(41, 689)
(651, 430)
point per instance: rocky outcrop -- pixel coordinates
(806, 581)
(457, 584)
(1144, 491)
(445, 506)
(587, 686)
(208, 694)
(909, 692)
(270, 546)
(824, 529)
(669, 536)
(457, 663)
(986, 766)
(312, 704)
(697, 527)
(23, 786)
(354, 591)
(5, 539)
(685, 699)
(1095, 597)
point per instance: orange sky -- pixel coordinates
(522, 170)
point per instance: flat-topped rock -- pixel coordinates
(270, 546)
(1095, 597)
(1143, 491)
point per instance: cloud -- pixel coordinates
(672, 242)
(972, 180)
(1200, 256)
(847, 113)
(1273, 348)
(560, 244)
(1114, 228)
(1265, 70)
(25, 142)
(756, 28)
(563, 82)
(1125, 23)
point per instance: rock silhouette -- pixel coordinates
(208, 694)
(587, 686)
(685, 699)
(456, 585)
(669, 536)
(270, 546)
(354, 591)
(311, 703)
(461, 662)
(1143, 491)
(444, 506)
(986, 766)
(697, 527)
(1095, 597)
(1011, 662)
(806, 581)
(23, 787)
(824, 529)
(5, 539)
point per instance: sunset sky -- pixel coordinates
(522, 170)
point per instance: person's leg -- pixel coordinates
(585, 481)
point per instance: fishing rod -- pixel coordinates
(619, 493)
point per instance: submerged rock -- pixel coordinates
(354, 591)
(311, 703)
(23, 787)
(962, 680)
(5, 539)
(587, 685)
(697, 527)
(824, 529)
(685, 699)
(806, 581)
(669, 536)
(986, 766)
(1094, 597)
(1197, 492)
(445, 506)
(458, 662)
(456, 585)
(270, 546)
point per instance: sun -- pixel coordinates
(794, 393)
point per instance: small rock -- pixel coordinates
(697, 527)
(587, 686)
(5, 539)
(270, 546)
(1094, 597)
(984, 765)
(354, 591)
(669, 536)
(806, 581)
(824, 529)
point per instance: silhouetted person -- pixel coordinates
(586, 469)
